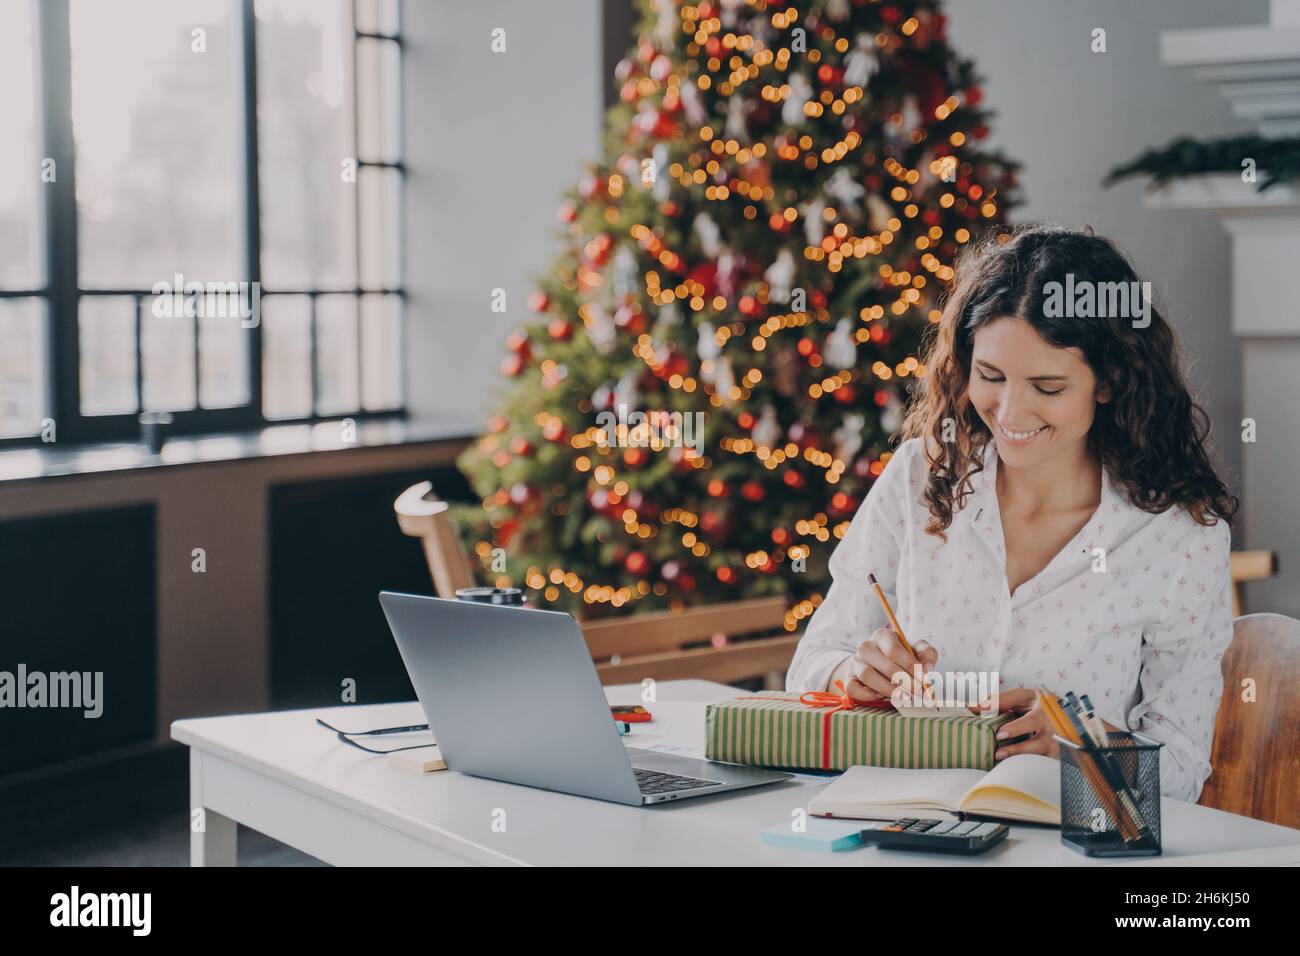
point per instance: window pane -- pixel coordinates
(22, 367)
(107, 342)
(167, 354)
(381, 352)
(377, 16)
(306, 148)
(20, 165)
(379, 126)
(286, 356)
(381, 197)
(159, 141)
(223, 350)
(336, 355)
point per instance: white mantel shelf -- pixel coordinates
(1224, 194)
(1230, 46)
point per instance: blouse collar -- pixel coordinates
(984, 494)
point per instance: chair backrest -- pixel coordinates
(628, 649)
(660, 631)
(422, 515)
(1250, 566)
(1256, 759)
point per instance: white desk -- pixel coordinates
(284, 776)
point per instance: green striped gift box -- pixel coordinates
(778, 730)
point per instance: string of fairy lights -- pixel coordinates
(743, 181)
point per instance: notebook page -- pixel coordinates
(863, 788)
(1033, 774)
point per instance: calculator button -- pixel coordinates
(893, 828)
(905, 823)
(984, 829)
(943, 827)
(923, 825)
(963, 829)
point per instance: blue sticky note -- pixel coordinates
(827, 836)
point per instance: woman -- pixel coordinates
(1052, 517)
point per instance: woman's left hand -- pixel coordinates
(1024, 700)
(1034, 721)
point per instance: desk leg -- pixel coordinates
(213, 837)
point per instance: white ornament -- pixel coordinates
(911, 114)
(600, 328)
(626, 391)
(767, 430)
(667, 22)
(880, 213)
(659, 155)
(710, 235)
(837, 9)
(723, 380)
(862, 63)
(669, 316)
(814, 226)
(735, 127)
(891, 417)
(707, 347)
(840, 350)
(848, 437)
(780, 276)
(693, 104)
(800, 93)
(626, 272)
(727, 267)
(844, 188)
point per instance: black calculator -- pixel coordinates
(943, 836)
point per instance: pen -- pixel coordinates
(1098, 728)
(898, 628)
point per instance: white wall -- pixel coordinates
(493, 140)
(1069, 115)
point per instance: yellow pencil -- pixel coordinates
(898, 628)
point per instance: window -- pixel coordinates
(199, 214)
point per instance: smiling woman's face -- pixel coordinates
(1037, 400)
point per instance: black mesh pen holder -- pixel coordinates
(1110, 798)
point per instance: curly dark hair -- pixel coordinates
(1151, 436)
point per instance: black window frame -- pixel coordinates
(61, 293)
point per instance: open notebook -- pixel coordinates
(1023, 787)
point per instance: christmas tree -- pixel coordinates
(713, 370)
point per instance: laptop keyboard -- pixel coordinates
(652, 781)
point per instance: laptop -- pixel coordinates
(511, 694)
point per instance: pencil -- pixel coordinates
(898, 628)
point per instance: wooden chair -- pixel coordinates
(663, 645)
(1256, 754)
(1250, 566)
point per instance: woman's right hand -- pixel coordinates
(869, 674)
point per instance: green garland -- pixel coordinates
(1277, 160)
